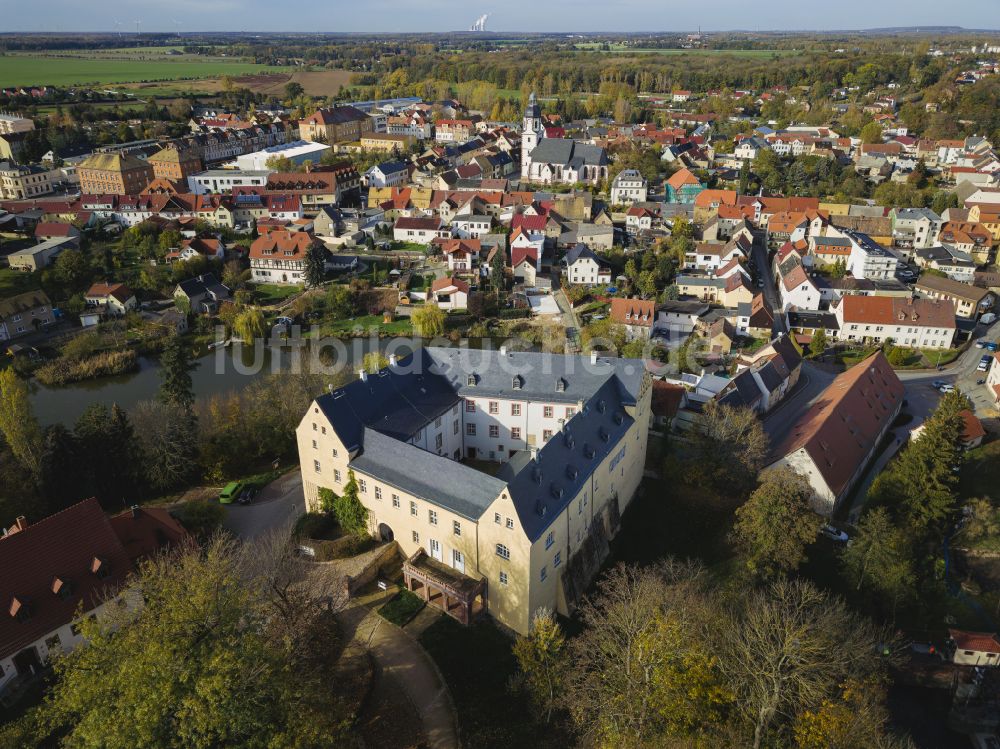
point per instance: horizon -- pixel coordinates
(443, 17)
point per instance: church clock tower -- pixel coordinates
(531, 132)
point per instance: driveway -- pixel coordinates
(279, 503)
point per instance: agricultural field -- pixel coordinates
(73, 70)
(315, 83)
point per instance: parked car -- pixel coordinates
(988, 319)
(247, 496)
(947, 388)
(834, 534)
(938, 384)
(231, 492)
(990, 346)
(984, 363)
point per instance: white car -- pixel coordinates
(834, 534)
(947, 388)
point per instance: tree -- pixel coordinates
(340, 301)
(207, 648)
(774, 527)
(293, 90)
(789, 647)
(983, 520)
(542, 658)
(71, 269)
(165, 431)
(880, 558)
(176, 366)
(350, 513)
(249, 325)
(640, 671)
(428, 320)
(871, 133)
(373, 361)
(728, 448)
(315, 266)
(201, 518)
(818, 344)
(498, 276)
(17, 420)
(59, 469)
(109, 455)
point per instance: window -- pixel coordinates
(494, 407)
(314, 444)
(334, 449)
(510, 523)
(570, 412)
(515, 409)
(544, 573)
(437, 423)
(455, 427)
(557, 559)
(438, 441)
(316, 466)
(496, 518)
(503, 552)
(416, 537)
(378, 492)
(363, 486)
(432, 517)
(546, 435)
(314, 426)
(456, 559)
(395, 500)
(515, 433)
(470, 406)
(494, 430)
(456, 528)
(413, 508)
(470, 429)
(336, 475)
(503, 578)
(547, 412)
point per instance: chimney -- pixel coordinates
(503, 350)
(393, 361)
(363, 374)
(330, 388)
(593, 357)
(21, 523)
(135, 511)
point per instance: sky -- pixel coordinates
(514, 15)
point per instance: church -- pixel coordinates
(551, 161)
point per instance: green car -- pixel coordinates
(231, 492)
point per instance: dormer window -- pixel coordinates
(62, 587)
(560, 385)
(19, 609)
(100, 567)
(471, 380)
(517, 382)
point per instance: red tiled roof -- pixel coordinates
(520, 254)
(54, 229)
(119, 291)
(682, 177)
(633, 311)
(839, 430)
(282, 245)
(63, 547)
(972, 428)
(982, 642)
(444, 283)
(934, 313)
(666, 399)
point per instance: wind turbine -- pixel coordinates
(177, 27)
(118, 27)
(137, 24)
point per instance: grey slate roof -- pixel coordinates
(581, 250)
(568, 152)
(431, 477)
(542, 487)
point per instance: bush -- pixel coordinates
(201, 517)
(315, 525)
(64, 371)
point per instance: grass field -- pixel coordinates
(26, 70)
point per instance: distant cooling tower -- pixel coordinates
(480, 24)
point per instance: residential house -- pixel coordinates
(387, 174)
(62, 569)
(26, 181)
(786, 227)
(683, 186)
(55, 229)
(919, 323)
(721, 335)
(992, 378)
(969, 237)
(201, 294)
(980, 649)
(419, 229)
(956, 264)
(471, 226)
(571, 438)
(112, 299)
(869, 259)
(629, 187)
(795, 287)
(639, 218)
(636, 316)
(969, 301)
(450, 293)
(279, 257)
(755, 319)
(727, 292)
(584, 266)
(24, 313)
(915, 228)
(462, 254)
(832, 444)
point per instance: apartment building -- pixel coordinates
(114, 174)
(20, 182)
(921, 323)
(563, 442)
(336, 125)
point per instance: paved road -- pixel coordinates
(570, 321)
(278, 503)
(401, 657)
(760, 259)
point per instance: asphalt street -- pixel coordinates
(279, 503)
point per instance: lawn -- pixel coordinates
(15, 282)
(366, 323)
(267, 293)
(29, 70)
(477, 664)
(402, 607)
